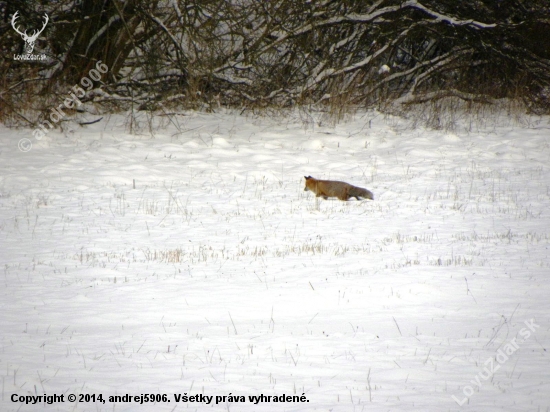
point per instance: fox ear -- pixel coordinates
(307, 177)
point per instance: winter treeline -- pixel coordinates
(252, 53)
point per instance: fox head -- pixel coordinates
(309, 180)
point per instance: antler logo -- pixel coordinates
(29, 40)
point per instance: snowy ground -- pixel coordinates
(218, 275)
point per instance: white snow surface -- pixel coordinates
(218, 275)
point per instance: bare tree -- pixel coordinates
(365, 53)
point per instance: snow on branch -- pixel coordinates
(330, 72)
(176, 42)
(438, 63)
(441, 17)
(374, 14)
(100, 32)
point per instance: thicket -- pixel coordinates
(338, 55)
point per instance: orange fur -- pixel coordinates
(334, 188)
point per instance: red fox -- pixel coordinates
(334, 188)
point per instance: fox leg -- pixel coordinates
(357, 193)
(344, 196)
(348, 194)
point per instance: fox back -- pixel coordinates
(334, 188)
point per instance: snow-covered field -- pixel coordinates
(217, 275)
